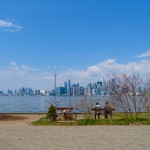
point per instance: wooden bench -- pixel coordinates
(102, 110)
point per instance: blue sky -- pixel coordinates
(83, 39)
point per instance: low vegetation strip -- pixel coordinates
(83, 122)
(118, 119)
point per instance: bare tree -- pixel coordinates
(84, 106)
(124, 93)
(146, 99)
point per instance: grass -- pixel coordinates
(118, 119)
(44, 121)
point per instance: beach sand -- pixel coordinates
(21, 135)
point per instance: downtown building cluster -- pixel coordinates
(92, 89)
(68, 89)
(25, 91)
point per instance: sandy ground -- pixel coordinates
(23, 122)
(21, 135)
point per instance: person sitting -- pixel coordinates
(107, 110)
(97, 110)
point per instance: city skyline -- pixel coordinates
(84, 40)
(68, 89)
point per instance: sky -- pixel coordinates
(83, 40)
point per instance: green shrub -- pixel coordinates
(51, 114)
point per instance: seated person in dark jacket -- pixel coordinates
(107, 110)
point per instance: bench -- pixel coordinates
(102, 110)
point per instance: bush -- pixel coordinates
(51, 114)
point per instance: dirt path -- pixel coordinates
(20, 119)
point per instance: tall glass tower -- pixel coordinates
(69, 82)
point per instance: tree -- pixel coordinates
(51, 114)
(125, 94)
(146, 99)
(85, 106)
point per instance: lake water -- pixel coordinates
(39, 104)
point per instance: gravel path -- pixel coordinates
(74, 137)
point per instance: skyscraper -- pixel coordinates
(69, 82)
(65, 86)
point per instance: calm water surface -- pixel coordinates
(38, 104)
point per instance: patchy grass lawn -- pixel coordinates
(118, 119)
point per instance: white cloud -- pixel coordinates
(145, 54)
(98, 72)
(15, 76)
(13, 65)
(14, 70)
(23, 75)
(9, 26)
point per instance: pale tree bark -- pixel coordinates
(124, 93)
(146, 100)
